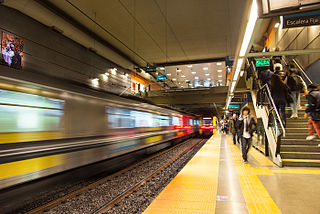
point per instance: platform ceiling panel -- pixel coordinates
(158, 31)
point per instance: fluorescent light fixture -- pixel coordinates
(196, 78)
(193, 72)
(277, 25)
(168, 74)
(189, 66)
(205, 68)
(219, 70)
(183, 76)
(220, 76)
(219, 63)
(162, 68)
(209, 79)
(236, 74)
(249, 29)
(207, 74)
(219, 80)
(190, 84)
(233, 85)
(187, 80)
(174, 79)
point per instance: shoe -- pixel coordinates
(294, 116)
(311, 137)
(245, 161)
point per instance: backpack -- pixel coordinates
(295, 83)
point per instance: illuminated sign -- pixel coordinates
(161, 77)
(301, 19)
(262, 62)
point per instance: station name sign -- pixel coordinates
(161, 78)
(302, 19)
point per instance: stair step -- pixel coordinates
(296, 130)
(296, 125)
(301, 162)
(299, 119)
(295, 136)
(299, 142)
(300, 155)
(300, 148)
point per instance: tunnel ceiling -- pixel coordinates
(160, 31)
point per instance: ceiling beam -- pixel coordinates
(284, 53)
(188, 62)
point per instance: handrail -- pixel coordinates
(301, 69)
(274, 106)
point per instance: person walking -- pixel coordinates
(234, 128)
(247, 125)
(266, 76)
(279, 93)
(295, 85)
(313, 111)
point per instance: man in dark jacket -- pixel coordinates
(234, 129)
(313, 110)
(247, 125)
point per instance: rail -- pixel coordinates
(298, 66)
(264, 98)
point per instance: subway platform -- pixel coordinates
(217, 181)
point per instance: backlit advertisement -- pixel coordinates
(11, 51)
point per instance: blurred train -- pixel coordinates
(208, 126)
(44, 130)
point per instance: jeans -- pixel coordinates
(245, 146)
(235, 137)
(295, 105)
(313, 125)
(281, 110)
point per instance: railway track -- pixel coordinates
(108, 192)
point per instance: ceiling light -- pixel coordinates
(249, 29)
(187, 80)
(168, 74)
(219, 70)
(219, 80)
(183, 76)
(182, 86)
(196, 78)
(157, 73)
(277, 25)
(174, 79)
(107, 74)
(193, 72)
(179, 83)
(236, 74)
(233, 85)
(205, 68)
(209, 79)
(95, 82)
(220, 76)
(241, 73)
(105, 77)
(178, 70)
(219, 63)
(207, 74)
(162, 68)
(189, 66)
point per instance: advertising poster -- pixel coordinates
(11, 51)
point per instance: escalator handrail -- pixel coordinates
(299, 67)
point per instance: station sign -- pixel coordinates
(150, 69)
(263, 62)
(234, 107)
(161, 78)
(301, 19)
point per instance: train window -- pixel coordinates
(21, 112)
(176, 121)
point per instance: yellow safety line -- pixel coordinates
(262, 160)
(194, 189)
(256, 196)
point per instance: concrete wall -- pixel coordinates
(49, 53)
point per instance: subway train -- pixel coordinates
(45, 130)
(208, 126)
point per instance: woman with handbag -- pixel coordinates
(280, 95)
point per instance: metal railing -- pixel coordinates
(264, 98)
(303, 72)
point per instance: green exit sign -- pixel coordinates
(262, 62)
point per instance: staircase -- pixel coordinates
(295, 150)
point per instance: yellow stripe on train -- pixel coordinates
(153, 139)
(28, 136)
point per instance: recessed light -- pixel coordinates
(189, 66)
(205, 68)
(209, 79)
(187, 80)
(162, 68)
(182, 87)
(179, 83)
(178, 70)
(220, 76)
(183, 76)
(207, 74)
(196, 78)
(220, 80)
(219, 70)
(168, 74)
(219, 63)
(174, 79)
(193, 72)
